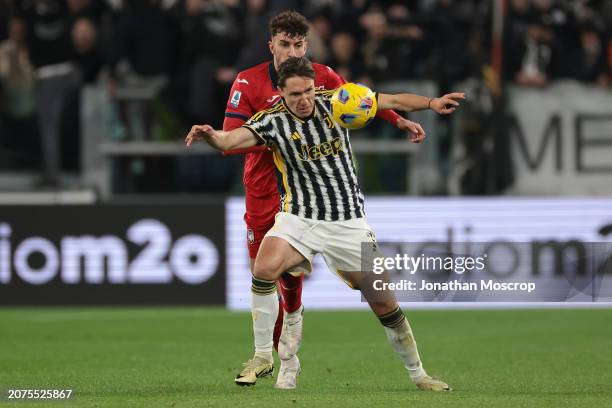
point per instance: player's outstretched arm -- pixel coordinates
(410, 102)
(240, 138)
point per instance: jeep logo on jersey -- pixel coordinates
(333, 147)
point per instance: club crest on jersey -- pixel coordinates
(328, 121)
(250, 236)
(235, 101)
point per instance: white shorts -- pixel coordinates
(340, 242)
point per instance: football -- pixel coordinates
(353, 105)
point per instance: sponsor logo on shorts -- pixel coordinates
(250, 236)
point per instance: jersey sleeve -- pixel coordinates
(238, 109)
(389, 115)
(261, 126)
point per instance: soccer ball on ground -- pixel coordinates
(353, 105)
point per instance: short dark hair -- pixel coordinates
(291, 23)
(295, 67)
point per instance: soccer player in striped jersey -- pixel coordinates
(253, 90)
(322, 207)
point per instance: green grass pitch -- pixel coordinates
(187, 357)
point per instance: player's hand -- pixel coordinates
(447, 103)
(417, 134)
(198, 132)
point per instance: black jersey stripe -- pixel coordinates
(354, 209)
(294, 179)
(357, 196)
(316, 208)
(332, 191)
(327, 191)
(236, 116)
(282, 169)
(340, 174)
(292, 148)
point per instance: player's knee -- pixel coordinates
(267, 270)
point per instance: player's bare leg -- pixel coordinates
(398, 330)
(275, 256)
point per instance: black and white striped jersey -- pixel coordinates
(314, 163)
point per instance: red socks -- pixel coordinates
(291, 289)
(289, 302)
(278, 326)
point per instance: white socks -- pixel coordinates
(402, 342)
(264, 310)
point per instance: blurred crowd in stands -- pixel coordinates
(186, 53)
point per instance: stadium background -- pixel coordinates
(133, 218)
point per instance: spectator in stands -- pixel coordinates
(95, 10)
(319, 37)
(590, 60)
(16, 72)
(534, 59)
(89, 56)
(57, 78)
(6, 8)
(255, 18)
(205, 70)
(395, 44)
(17, 104)
(144, 43)
(451, 32)
(202, 82)
(347, 59)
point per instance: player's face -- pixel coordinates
(299, 94)
(283, 46)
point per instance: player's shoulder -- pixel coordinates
(326, 77)
(324, 93)
(278, 108)
(322, 69)
(253, 74)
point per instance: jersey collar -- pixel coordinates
(273, 75)
(307, 118)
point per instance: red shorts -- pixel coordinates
(254, 237)
(259, 218)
